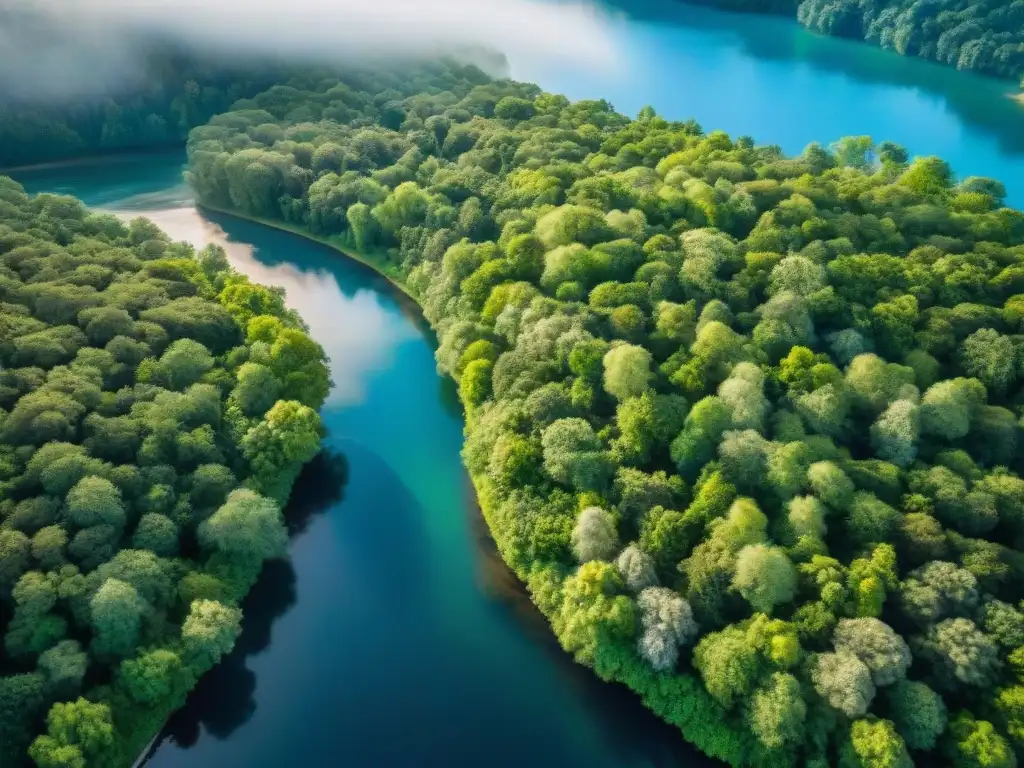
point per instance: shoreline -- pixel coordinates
(124, 155)
(377, 264)
(483, 500)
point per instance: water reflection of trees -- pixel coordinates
(224, 699)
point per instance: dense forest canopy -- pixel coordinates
(155, 409)
(747, 425)
(982, 35)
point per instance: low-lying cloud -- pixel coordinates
(58, 47)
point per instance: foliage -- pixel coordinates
(131, 418)
(981, 35)
(714, 394)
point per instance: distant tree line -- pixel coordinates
(155, 409)
(979, 35)
(176, 94)
(747, 425)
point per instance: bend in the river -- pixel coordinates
(394, 636)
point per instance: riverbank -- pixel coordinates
(789, 11)
(660, 693)
(377, 262)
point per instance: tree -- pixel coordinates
(871, 520)
(807, 516)
(667, 622)
(247, 527)
(728, 665)
(287, 437)
(948, 407)
(208, 633)
(157, 533)
(743, 393)
(211, 484)
(594, 536)
(64, 666)
(777, 712)
(853, 151)
(744, 456)
(21, 701)
(637, 568)
(976, 744)
(895, 434)
(257, 389)
(918, 713)
(831, 484)
(14, 557)
(937, 590)
(876, 644)
(962, 653)
(844, 681)
(928, 176)
(48, 547)
(183, 364)
(154, 677)
(591, 613)
(764, 576)
(874, 743)
(572, 454)
(627, 371)
(94, 501)
(77, 731)
(989, 357)
(116, 612)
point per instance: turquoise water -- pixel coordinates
(393, 637)
(769, 78)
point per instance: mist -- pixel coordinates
(59, 48)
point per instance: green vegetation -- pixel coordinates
(981, 35)
(747, 425)
(155, 409)
(174, 93)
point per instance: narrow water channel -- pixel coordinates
(393, 636)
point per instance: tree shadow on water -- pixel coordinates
(224, 699)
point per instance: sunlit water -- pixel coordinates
(394, 637)
(769, 78)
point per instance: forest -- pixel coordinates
(747, 425)
(155, 409)
(985, 36)
(175, 93)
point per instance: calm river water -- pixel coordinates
(394, 637)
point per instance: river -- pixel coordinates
(393, 636)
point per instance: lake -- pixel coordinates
(769, 78)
